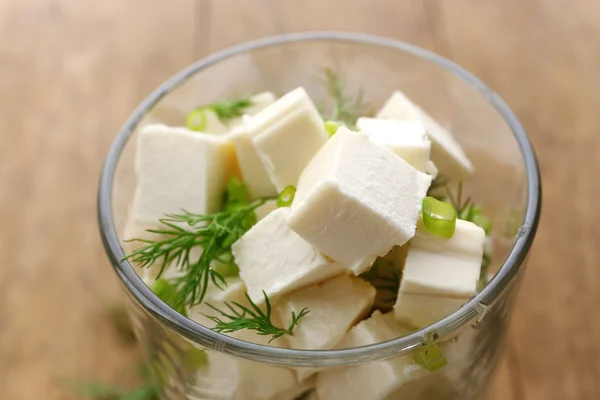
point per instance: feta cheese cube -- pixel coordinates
(371, 381)
(286, 135)
(445, 150)
(179, 169)
(406, 139)
(356, 200)
(335, 305)
(273, 258)
(440, 274)
(253, 172)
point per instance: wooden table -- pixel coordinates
(72, 70)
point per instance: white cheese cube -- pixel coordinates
(273, 258)
(179, 169)
(356, 200)
(371, 381)
(265, 209)
(286, 135)
(440, 274)
(445, 150)
(253, 172)
(406, 139)
(335, 305)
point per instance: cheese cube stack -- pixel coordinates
(372, 381)
(286, 135)
(446, 153)
(440, 274)
(356, 200)
(273, 258)
(179, 169)
(406, 139)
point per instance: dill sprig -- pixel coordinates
(462, 207)
(346, 109)
(225, 110)
(213, 233)
(437, 183)
(229, 109)
(253, 318)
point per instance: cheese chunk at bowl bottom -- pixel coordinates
(286, 135)
(371, 381)
(439, 274)
(356, 200)
(446, 153)
(227, 377)
(406, 139)
(334, 306)
(274, 259)
(179, 169)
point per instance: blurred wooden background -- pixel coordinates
(72, 70)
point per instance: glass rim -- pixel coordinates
(474, 309)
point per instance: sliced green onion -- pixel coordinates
(195, 358)
(237, 193)
(439, 217)
(196, 119)
(430, 357)
(286, 197)
(483, 222)
(166, 291)
(331, 127)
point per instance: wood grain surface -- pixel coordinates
(72, 70)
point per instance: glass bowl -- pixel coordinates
(194, 362)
